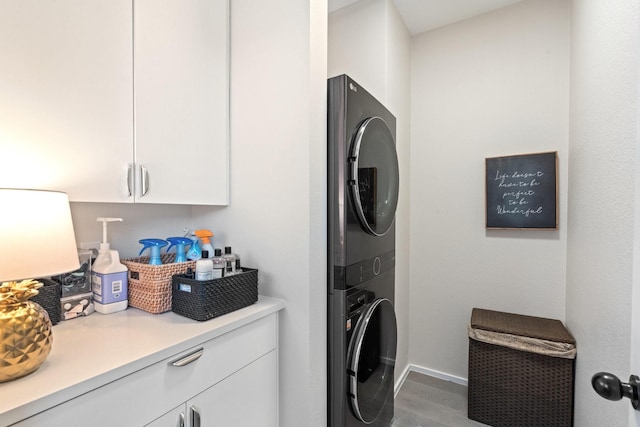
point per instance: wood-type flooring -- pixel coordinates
(425, 401)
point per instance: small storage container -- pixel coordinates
(206, 299)
(77, 298)
(521, 370)
(150, 285)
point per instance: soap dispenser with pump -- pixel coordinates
(108, 276)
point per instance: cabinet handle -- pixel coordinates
(195, 417)
(191, 357)
(145, 180)
(181, 420)
(129, 178)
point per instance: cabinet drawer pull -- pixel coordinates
(129, 178)
(191, 357)
(181, 420)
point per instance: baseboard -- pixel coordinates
(440, 375)
(430, 372)
(400, 381)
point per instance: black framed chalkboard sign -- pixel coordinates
(522, 191)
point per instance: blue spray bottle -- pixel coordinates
(155, 245)
(194, 252)
(181, 244)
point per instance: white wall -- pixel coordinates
(357, 45)
(493, 85)
(369, 41)
(277, 216)
(603, 162)
(397, 98)
(139, 222)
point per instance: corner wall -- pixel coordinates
(398, 66)
(494, 85)
(603, 173)
(277, 217)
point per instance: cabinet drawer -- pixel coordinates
(141, 397)
(225, 404)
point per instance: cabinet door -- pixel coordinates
(66, 85)
(182, 102)
(246, 398)
(173, 418)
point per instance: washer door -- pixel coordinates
(371, 360)
(374, 178)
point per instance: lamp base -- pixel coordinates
(26, 339)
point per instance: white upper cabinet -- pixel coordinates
(181, 101)
(66, 96)
(114, 100)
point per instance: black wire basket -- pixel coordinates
(206, 299)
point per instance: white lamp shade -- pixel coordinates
(36, 234)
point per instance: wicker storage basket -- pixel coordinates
(49, 298)
(510, 387)
(205, 299)
(150, 285)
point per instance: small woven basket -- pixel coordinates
(205, 299)
(49, 298)
(150, 285)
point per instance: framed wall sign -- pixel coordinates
(522, 191)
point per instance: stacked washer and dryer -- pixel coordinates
(363, 183)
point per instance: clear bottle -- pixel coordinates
(219, 264)
(204, 267)
(230, 258)
(238, 266)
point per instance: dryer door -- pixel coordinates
(371, 360)
(374, 178)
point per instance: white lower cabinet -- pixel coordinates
(229, 381)
(174, 418)
(246, 398)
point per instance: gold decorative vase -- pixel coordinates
(25, 330)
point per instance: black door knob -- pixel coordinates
(610, 387)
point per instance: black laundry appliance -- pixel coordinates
(363, 184)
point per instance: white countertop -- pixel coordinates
(91, 351)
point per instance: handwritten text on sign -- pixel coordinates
(521, 191)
